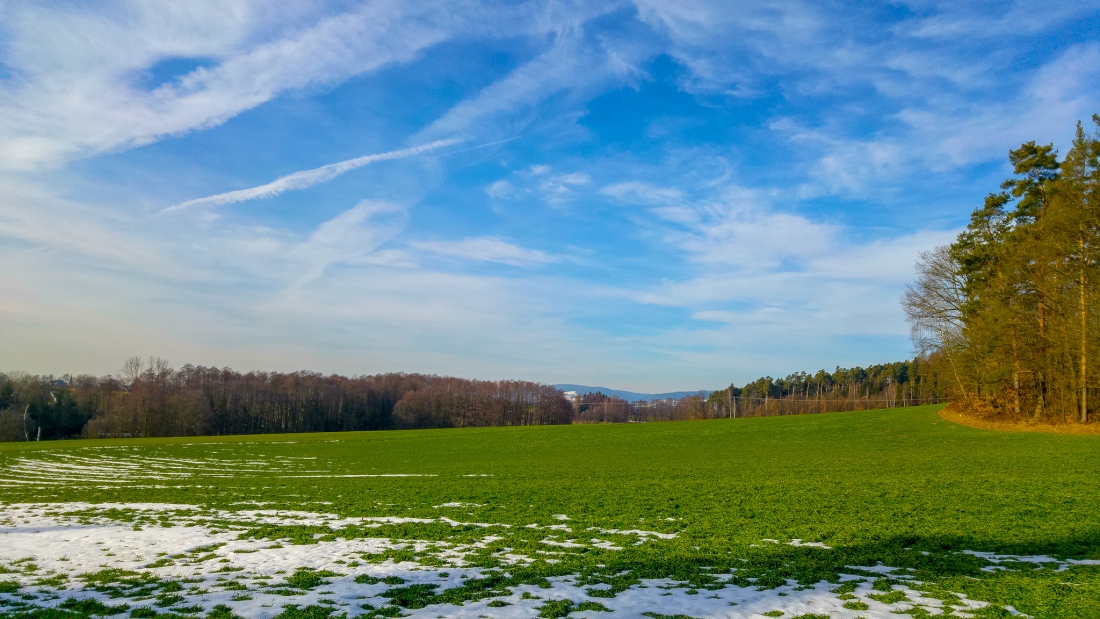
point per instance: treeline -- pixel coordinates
(887, 385)
(152, 399)
(1010, 307)
(905, 383)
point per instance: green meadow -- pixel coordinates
(782, 501)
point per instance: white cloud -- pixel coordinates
(637, 192)
(574, 67)
(307, 178)
(76, 94)
(960, 20)
(540, 181)
(516, 95)
(34, 217)
(487, 249)
(500, 189)
(77, 88)
(559, 189)
(947, 132)
(940, 100)
(763, 276)
(958, 132)
(574, 179)
(853, 167)
(348, 237)
(728, 48)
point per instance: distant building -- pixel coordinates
(570, 395)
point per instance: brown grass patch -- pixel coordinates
(956, 414)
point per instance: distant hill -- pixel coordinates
(630, 396)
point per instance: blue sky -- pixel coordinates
(647, 195)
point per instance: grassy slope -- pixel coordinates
(876, 486)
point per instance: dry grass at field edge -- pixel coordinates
(954, 413)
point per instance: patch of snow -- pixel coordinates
(566, 544)
(877, 569)
(1062, 564)
(70, 545)
(604, 544)
(638, 532)
(801, 544)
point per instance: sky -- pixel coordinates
(645, 195)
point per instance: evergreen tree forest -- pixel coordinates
(1009, 308)
(885, 385)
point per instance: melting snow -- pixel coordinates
(1063, 565)
(60, 545)
(801, 544)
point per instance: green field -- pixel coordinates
(900, 488)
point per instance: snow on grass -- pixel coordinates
(54, 552)
(1062, 564)
(797, 543)
(96, 465)
(640, 533)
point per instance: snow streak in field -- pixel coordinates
(46, 548)
(95, 467)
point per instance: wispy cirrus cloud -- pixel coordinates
(129, 74)
(539, 180)
(561, 188)
(80, 90)
(982, 21)
(575, 66)
(499, 189)
(638, 192)
(487, 249)
(348, 237)
(308, 178)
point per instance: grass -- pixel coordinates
(952, 413)
(304, 578)
(562, 608)
(903, 487)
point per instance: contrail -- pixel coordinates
(462, 150)
(308, 178)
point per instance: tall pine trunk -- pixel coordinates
(1083, 385)
(1015, 373)
(1040, 404)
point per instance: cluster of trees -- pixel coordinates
(904, 383)
(457, 402)
(1009, 307)
(888, 385)
(153, 399)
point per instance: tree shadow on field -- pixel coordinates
(1043, 583)
(941, 554)
(951, 553)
